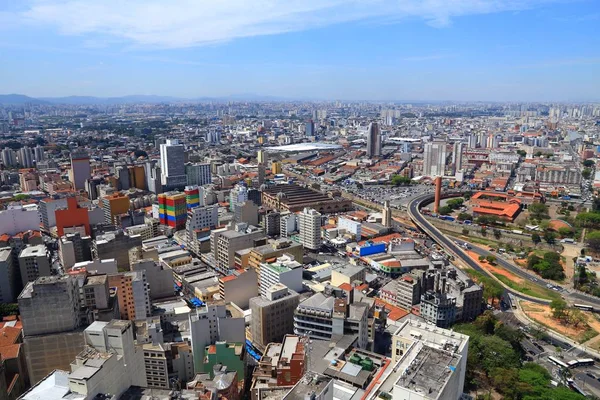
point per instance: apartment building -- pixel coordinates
(273, 314)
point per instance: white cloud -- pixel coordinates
(185, 23)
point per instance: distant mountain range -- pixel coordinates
(18, 99)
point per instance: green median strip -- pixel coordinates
(529, 288)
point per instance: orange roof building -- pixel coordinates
(506, 211)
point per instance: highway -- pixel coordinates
(450, 245)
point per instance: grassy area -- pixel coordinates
(529, 288)
(587, 335)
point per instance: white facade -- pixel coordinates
(18, 219)
(288, 224)
(25, 157)
(198, 174)
(285, 271)
(141, 294)
(309, 222)
(202, 217)
(350, 226)
(434, 159)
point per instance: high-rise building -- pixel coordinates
(192, 196)
(25, 157)
(9, 276)
(113, 205)
(310, 128)
(73, 217)
(386, 214)
(457, 160)
(198, 174)
(172, 162)
(276, 167)
(137, 176)
(237, 195)
(39, 154)
(80, 169)
(34, 263)
(373, 140)
(272, 223)
(8, 158)
(133, 292)
(172, 209)
(309, 223)
(434, 159)
(284, 270)
(273, 314)
(225, 242)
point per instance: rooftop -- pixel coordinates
(34, 251)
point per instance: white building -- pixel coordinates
(34, 263)
(434, 159)
(288, 224)
(429, 363)
(350, 226)
(16, 219)
(80, 170)
(309, 223)
(25, 157)
(284, 270)
(107, 266)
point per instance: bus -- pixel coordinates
(584, 307)
(558, 362)
(580, 363)
(513, 301)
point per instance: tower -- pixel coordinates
(387, 214)
(172, 162)
(373, 141)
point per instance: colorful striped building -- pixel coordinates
(172, 209)
(192, 196)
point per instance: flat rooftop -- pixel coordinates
(428, 372)
(34, 251)
(309, 384)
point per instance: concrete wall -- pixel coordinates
(49, 352)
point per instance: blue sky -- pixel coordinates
(504, 50)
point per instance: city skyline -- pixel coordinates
(465, 50)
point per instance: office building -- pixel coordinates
(155, 363)
(210, 324)
(51, 318)
(34, 262)
(26, 157)
(225, 242)
(276, 167)
(284, 270)
(73, 248)
(434, 158)
(80, 169)
(272, 223)
(457, 159)
(198, 174)
(322, 317)
(172, 164)
(239, 287)
(273, 314)
(115, 245)
(10, 281)
(39, 155)
(350, 226)
(408, 291)
(246, 212)
(373, 141)
(192, 196)
(288, 224)
(159, 277)
(172, 208)
(429, 363)
(310, 128)
(272, 250)
(106, 367)
(237, 195)
(73, 217)
(309, 225)
(113, 205)
(133, 293)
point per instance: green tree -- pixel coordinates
(464, 217)
(565, 232)
(400, 180)
(592, 240)
(483, 231)
(588, 220)
(522, 153)
(465, 232)
(497, 233)
(20, 197)
(538, 211)
(586, 173)
(491, 259)
(559, 308)
(549, 236)
(588, 163)
(445, 210)
(535, 237)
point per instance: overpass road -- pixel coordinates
(449, 244)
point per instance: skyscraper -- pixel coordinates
(309, 222)
(8, 157)
(457, 156)
(310, 128)
(373, 140)
(80, 169)
(26, 157)
(172, 161)
(434, 158)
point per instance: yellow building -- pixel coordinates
(114, 204)
(276, 167)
